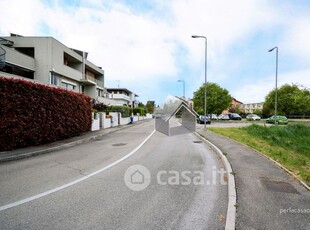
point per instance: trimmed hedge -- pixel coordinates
(34, 114)
(124, 110)
(141, 111)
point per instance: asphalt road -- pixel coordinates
(182, 191)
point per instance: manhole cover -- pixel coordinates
(119, 144)
(197, 142)
(279, 186)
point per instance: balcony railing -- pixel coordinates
(2, 57)
(98, 82)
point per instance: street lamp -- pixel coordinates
(205, 85)
(183, 87)
(276, 96)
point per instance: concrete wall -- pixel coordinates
(114, 119)
(95, 124)
(104, 121)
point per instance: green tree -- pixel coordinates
(150, 107)
(140, 105)
(218, 99)
(292, 100)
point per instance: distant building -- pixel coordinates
(234, 104)
(46, 60)
(122, 96)
(251, 107)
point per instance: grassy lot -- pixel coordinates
(289, 145)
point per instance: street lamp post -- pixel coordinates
(205, 85)
(276, 94)
(183, 87)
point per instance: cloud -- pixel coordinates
(148, 47)
(258, 89)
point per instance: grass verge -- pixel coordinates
(289, 145)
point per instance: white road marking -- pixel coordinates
(23, 201)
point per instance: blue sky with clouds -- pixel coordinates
(146, 45)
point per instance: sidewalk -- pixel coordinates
(267, 196)
(58, 145)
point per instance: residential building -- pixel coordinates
(122, 96)
(234, 104)
(251, 107)
(48, 61)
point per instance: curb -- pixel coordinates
(272, 160)
(62, 146)
(232, 195)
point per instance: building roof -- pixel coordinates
(121, 89)
(234, 99)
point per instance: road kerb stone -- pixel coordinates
(232, 195)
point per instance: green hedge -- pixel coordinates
(141, 111)
(34, 114)
(124, 110)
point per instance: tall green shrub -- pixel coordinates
(124, 110)
(141, 111)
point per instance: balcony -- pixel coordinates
(92, 81)
(120, 97)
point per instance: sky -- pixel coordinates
(146, 45)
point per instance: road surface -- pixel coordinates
(87, 187)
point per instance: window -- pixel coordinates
(98, 93)
(53, 78)
(67, 85)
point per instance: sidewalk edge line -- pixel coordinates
(232, 195)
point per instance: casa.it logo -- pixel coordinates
(137, 177)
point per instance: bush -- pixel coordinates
(124, 110)
(100, 107)
(34, 114)
(141, 111)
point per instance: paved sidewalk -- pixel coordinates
(58, 145)
(267, 196)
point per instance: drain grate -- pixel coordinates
(279, 186)
(197, 142)
(119, 144)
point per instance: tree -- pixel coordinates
(218, 99)
(150, 107)
(140, 105)
(292, 100)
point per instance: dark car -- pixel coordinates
(202, 119)
(234, 116)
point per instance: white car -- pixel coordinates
(253, 117)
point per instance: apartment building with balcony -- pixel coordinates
(122, 96)
(48, 61)
(251, 107)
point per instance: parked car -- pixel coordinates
(279, 120)
(223, 117)
(234, 116)
(253, 117)
(213, 117)
(202, 119)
